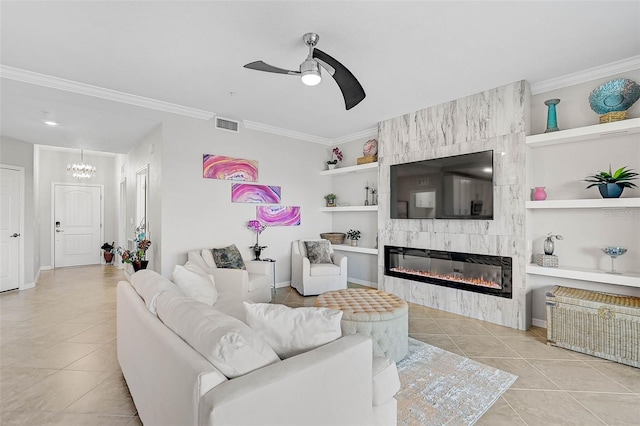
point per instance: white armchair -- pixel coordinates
(313, 279)
(252, 284)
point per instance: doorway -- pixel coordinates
(11, 227)
(77, 224)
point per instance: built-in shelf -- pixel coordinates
(596, 203)
(350, 209)
(584, 274)
(355, 249)
(350, 169)
(608, 130)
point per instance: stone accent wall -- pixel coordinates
(496, 119)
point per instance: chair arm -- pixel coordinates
(258, 267)
(340, 260)
(336, 380)
(230, 280)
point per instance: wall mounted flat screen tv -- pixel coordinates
(457, 187)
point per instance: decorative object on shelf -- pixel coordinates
(227, 168)
(354, 236)
(331, 200)
(614, 98)
(374, 197)
(552, 119)
(108, 251)
(336, 155)
(366, 195)
(260, 194)
(138, 257)
(611, 184)
(539, 193)
(334, 237)
(547, 260)
(257, 227)
(614, 252)
(370, 148)
(279, 215)
(548, 243)
(81, 170)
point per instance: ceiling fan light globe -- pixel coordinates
(310, 71)
(311, 78)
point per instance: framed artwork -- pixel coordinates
(249, 193)
(278, 215)
(228, 168)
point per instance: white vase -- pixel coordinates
(331, 166)
(354, 242)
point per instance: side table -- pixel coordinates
(273, 274)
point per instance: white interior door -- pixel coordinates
(10, 216)
(77, 224)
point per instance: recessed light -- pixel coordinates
(50, 123)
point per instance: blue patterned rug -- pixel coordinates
(442, 388)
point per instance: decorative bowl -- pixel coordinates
(614, 95)
(614, 251)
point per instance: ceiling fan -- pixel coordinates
(309, 72)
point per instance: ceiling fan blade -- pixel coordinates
(261, 66)
(351, 89)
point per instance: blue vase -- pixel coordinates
(610, 190)
(552, 119)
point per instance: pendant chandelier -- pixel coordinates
(81, 170)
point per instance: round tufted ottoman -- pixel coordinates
(374, 313)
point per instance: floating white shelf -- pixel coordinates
(608, 130)
(596, 203)
(356, 249)
(350, 209)
(584, 274)
(350, 169)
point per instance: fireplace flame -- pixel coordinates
(448, 277)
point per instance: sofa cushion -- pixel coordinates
(324, 269)
(318, 251)
(195, 283)
(207, 256)
(291, 331)
(228, 257)
(226, 342)
(386, 382)
(148, 284)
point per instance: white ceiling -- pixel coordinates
(406, 55)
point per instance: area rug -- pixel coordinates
(442, 388)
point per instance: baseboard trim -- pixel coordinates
(538, 322)
(283, 284)
(28, 285)
(362, 282)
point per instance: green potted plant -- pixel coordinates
(108, 251)
(336, 155)
(611, 184)
(354, 236)
(331, 199)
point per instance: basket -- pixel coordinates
(367, 159)
(334, 237)
(612, 116)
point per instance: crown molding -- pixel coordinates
(266, 128)
(30, 77)
(590, 74)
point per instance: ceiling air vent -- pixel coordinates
(228, 125)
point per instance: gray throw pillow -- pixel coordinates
(318, 251)
(228, 257)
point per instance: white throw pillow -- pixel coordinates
(226, 342)
(195, 283)
(148, 284)
(292, 331)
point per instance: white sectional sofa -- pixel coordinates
(171, 383)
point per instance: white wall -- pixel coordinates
(18, 153)
(198, 212)
(52, 168)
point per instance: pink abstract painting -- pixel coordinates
(227, 168)
(261, 194)
(278, 215)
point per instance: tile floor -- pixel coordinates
(58, 362)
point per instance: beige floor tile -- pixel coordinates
(483, 346)
(528, 348)
(463, 327)
(576, 376)
(424, 326)
(102, 359)
(499, 330)
(500, 414)
(418, 311)
(549, 408)
(439, 340)
(18, 380)
(109, 397)
(58, 356)
(436, 313)
(528, 376)
(26, 418)
(76, 419)
(627, 376)
(60, 332)
(612, 408)
(101, 333)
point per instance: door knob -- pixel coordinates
(59, 230)
(15, 235)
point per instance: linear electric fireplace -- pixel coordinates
(473, 272)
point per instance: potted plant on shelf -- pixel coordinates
(258, 227)
(336, 155)
(611, 184)
(138, 257)
(354, 236)
(108, 252)
(331, 200)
